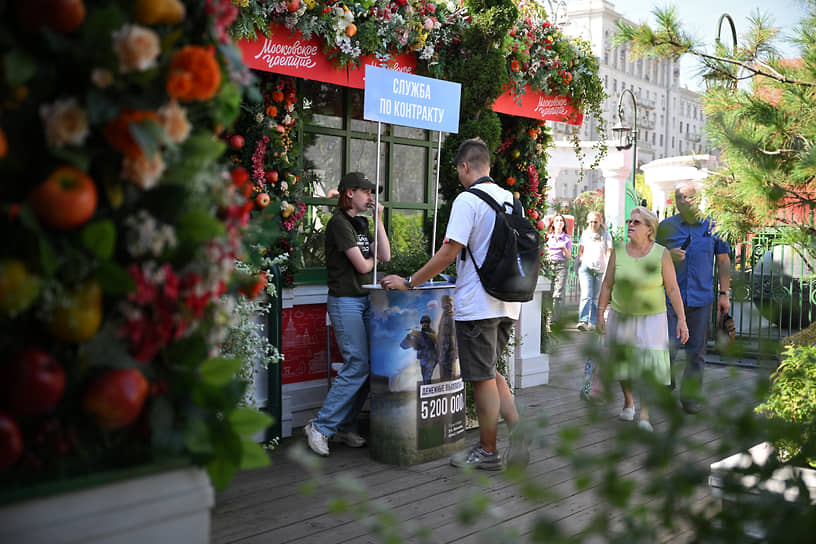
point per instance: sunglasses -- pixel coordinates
(634, 222)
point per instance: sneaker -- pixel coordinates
(478, 458)
(582, 326)
(627, 414)
(645, 425)
(317, 440)
(518, 454)
(350, 439)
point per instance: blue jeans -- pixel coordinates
(698, 320)
(590, 282)
(351, 319)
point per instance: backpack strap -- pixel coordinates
(496, 208)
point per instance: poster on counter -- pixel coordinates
(417, 393)
(440, 413)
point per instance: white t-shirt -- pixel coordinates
(471, 223)
(595, 249)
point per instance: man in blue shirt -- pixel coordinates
(693, 245)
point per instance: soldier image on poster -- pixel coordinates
(424, 342)
(447, 352)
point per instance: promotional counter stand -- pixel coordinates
(417, 393)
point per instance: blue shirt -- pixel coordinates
(695, 274)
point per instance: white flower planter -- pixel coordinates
(172, 506)
(777, 483)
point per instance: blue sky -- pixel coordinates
(700, 18)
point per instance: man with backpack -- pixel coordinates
(483, 322)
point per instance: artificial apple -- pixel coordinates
(541, 225)
(237, 141)
(32, 383)
(11, 441)
(351, 30)
(18, 287)
(115, 399)
(61, 15)
(78, 316)
(292, 5)
(66, 200)
(239, 176)
(262, 200)
(271, 176)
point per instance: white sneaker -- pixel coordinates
(645, 425)
(582, 326)
(317, 440)
(627, 414)
(350, 439)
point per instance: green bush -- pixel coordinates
(792, 400)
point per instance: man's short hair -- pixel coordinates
(425, 319)
(474, 152)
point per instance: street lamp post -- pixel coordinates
(717, 78)
(627, 137)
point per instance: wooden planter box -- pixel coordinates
(168, 506)
(777, 483)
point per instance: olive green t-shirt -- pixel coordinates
(638, 288)
(344, 232)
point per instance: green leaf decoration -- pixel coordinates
(149, 135)
(253, 455)
(246, 421)
(20, 67)
(99, 238)
(221, 472)
(49, 262)
(219, 371)
(113, 279)
(106, 349)
(197, 438)
(199, 226)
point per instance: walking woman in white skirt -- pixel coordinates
(639, 276)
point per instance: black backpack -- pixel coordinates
(511, 266)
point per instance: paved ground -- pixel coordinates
(270, 506)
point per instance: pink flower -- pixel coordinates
(174, 120)
(65, 123)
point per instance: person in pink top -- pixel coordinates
(559, 251)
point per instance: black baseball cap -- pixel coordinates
(353, 180)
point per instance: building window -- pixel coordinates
(661, 140)
(338, 140)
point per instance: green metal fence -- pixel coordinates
(773, 295)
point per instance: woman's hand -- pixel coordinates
(682, 332)
(601, 323)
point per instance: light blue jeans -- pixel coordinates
(590, 283)
(351, 319)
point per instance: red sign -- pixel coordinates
(401, 63)
(291, 54)
(305, 344)
(537, 105)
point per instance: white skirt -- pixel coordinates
(646, 341)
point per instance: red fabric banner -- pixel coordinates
(401, 63)
(292, 55)
(537, 105)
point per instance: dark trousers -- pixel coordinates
(698, 320)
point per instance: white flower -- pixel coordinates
(142, 171)
(259, 117)
(147, 237)
(65, 123)
(174, 120)
(136, 47)
(427, 52)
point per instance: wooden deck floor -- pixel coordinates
(268, 505)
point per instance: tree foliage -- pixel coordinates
(760, 113)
